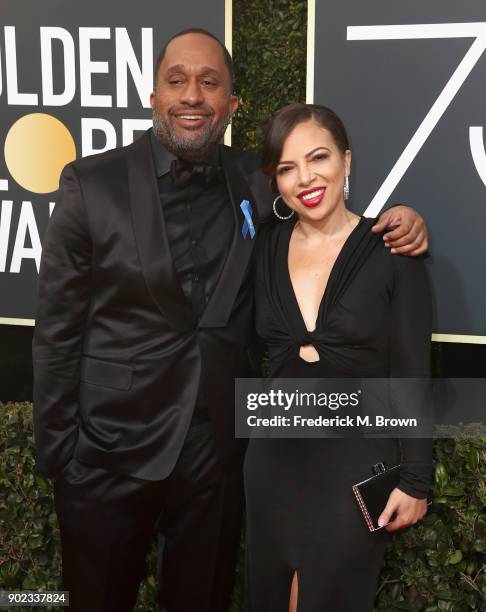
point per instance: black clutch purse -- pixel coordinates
(372, 494)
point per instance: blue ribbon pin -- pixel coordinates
(248, 222)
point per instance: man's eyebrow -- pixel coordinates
(307, 155)
(202, 70)
(176, 68)
(209, 70)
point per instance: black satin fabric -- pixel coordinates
(118, 354)
(107, 523)
(184, 172)
(374, 321)
(200, 226)
(117, 347)
(199, 223)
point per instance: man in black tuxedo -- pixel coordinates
(144, 320)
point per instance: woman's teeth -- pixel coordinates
(314, 194)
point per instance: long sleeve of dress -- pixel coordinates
(410, 358)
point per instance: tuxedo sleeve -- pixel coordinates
(62, 309)
(410, 361)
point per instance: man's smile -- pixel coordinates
(191, 119)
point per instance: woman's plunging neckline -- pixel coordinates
(332, 274)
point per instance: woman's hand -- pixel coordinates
(409, 510)
(407, 233)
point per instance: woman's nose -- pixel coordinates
(306, 176)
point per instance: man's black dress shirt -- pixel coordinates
(200, 225)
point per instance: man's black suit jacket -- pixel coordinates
(117, 350)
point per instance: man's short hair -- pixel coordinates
(226, 55)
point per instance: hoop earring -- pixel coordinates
(346, 187)
(275, 210)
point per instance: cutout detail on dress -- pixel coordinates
(309, 353)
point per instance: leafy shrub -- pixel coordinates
(440, 564)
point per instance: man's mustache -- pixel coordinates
(203, 110)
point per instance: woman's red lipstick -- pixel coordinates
(312, 197)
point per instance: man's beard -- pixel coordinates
(192, 149)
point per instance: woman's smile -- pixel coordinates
(312, 197)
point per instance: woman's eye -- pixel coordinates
(320, 156)
(283, 170)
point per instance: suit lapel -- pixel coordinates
(221, 303)
(151, 237)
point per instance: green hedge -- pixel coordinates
(269, 50)
(439, 564)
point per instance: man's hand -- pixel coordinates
(408, 233)
(409, 510)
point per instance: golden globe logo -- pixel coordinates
(79, 68)
(37, 148)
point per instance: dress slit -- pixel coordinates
(294, 593)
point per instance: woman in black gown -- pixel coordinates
(331, 301)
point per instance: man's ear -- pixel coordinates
(152, 100)
(234, 102)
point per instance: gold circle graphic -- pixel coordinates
(37, 148)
